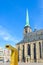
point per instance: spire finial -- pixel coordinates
(27, 18)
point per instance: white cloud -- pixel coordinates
(6, 36)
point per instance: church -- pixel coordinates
(30, 48)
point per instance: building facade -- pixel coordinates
(1, 54)
(5, 55)
(30, 48)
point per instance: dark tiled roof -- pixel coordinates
(32, 36)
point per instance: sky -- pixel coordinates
(13, 19)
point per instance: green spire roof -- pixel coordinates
(27, 18)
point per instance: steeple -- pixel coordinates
(27, 28)
(27, 18)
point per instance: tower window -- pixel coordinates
(26, 31)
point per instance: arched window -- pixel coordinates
(28, 49)
(40, 49)
(23, 54)
(25, 30)
(35, 52)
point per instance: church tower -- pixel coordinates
(27, 28)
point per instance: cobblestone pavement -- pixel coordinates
(7, 63)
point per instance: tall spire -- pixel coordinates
(27, 18)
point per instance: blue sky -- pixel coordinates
(13, 19)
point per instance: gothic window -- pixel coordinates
(40, 48)
(35, 52)
(28, 49)
(23, 54)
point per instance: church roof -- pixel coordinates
(32, 36)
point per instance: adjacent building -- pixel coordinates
(30, 48)
(1, 54)
(5, 55)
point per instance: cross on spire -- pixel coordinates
(27, 18)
